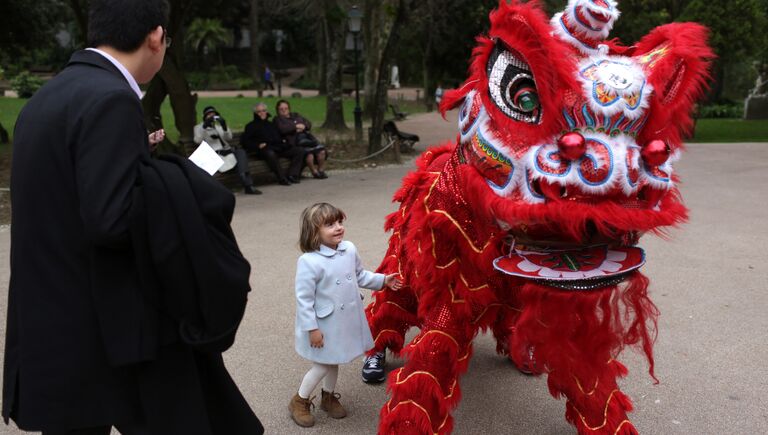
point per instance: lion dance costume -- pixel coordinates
(529, 224)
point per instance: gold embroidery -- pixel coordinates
(398, 306)
(496, 304)
(472, 289)
(456, 224)
(449, 264)
(411, 402)
(434, 243)
(418, 339)
(578, 384)
(383, 331)
(618, 428)
(426, 373)
(605, 414)
(453, 297)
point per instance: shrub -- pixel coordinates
(730, 110)
(26, 84)
(197, 80)
(244, 83)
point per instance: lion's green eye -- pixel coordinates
(526, 99)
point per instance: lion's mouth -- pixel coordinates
(580, 268)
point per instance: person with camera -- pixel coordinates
(214, 131)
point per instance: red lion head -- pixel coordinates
(572, 137)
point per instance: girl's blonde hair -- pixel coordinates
(314, 217)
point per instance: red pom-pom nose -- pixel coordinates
(655, 152)
(572, 145)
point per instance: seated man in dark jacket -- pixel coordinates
(262, 138)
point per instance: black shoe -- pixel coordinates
(373, 368)
(284, 182)
(250, 190)
(322, 175)
(294, 180)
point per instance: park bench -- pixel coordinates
(393, 135)
(258, 168)
(397, 113)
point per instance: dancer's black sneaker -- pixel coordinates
(373, 368)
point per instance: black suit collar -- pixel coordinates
(93, 58)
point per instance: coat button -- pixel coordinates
(349, 277)
(338, 282)
(342, 306)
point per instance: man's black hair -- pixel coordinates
(124, 24)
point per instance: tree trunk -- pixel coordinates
(374, 29)
(334, 23)
(170, 80)
(253, 27)
(380, 97)
(80, 10)
(3, 135)
(718, 79)
(426, 59)
(321, 61)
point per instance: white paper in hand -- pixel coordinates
(206, 158)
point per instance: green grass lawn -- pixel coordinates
(238, 112)
(730, 130)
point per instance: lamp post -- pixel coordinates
(279, 36)
(355, 23)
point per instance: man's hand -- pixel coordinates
(262, 145)
(393, 282)
(155, 138)
(316, 338)
(300, 127)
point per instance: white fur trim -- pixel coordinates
(619, 75)
(599, 29)
(559, 29)
(471, 101)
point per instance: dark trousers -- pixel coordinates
(130, 429)
(242, 167)
(294, 154)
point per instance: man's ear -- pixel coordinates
(155, 39)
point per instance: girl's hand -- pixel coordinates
(316, 338)
(392, 282)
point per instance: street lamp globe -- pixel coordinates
(355, 17)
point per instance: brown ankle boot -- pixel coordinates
(300, 411)
(329, 402)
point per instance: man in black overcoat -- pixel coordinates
(90, 343)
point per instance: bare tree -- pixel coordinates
(402, 9)
(376, 26)
(334, 22)
(80, 10)
(171, 81)
(4, 135)
(253, 28)
(321, 62)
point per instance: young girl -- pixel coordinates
(331, 327)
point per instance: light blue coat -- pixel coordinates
(328, 298)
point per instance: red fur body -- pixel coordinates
(452, 223)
